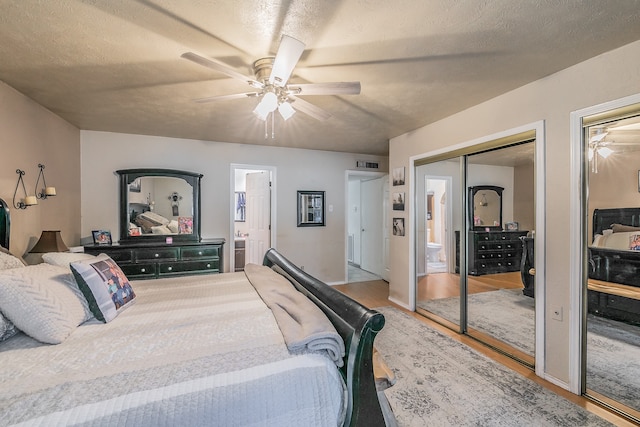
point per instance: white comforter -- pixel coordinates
(191, 351)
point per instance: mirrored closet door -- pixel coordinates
(612, 259)
(475, 223)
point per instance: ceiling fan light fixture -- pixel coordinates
(268, 104)
(286, 110)
(605, 152)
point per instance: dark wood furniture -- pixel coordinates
(150, 260)
(527, 266)
(358, 326)
(492, 251)
(614, 267)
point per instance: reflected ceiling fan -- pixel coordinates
(271, 83)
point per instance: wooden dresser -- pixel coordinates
(148, 260)
(492, 251)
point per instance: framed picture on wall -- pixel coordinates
(398, 201)
(398, 226)
(398, 176)
(135, 186)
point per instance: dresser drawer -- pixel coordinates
(157, 254)
(169, 268)
(139, 271)
(116, 255)
(199, 252)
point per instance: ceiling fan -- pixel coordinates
(271, 83)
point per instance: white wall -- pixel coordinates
(610, 76)
(320, 249)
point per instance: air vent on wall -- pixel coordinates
(368, 165)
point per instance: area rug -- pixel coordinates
(441, 382)
(613, 348)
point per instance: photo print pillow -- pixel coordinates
(104, 285)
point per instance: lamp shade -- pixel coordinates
(50, 241)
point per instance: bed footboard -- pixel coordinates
(357, 325)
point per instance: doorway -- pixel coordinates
(252, 214)
(367, 239)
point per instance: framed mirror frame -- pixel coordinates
(129, 176)
(311, 211)
(472, 192)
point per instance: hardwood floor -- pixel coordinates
(376, 294)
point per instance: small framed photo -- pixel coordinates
(398, 201)
(398, 226)
(398, 176)
(512, 226)
(101, 237)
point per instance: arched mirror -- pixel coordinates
(485, 207)
(156, 204)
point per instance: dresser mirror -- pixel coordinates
(485, 207)
(159, 205)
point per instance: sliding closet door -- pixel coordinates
(500, 311)
(612, 260)
(439, 219)
(475, 217)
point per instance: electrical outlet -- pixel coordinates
(556, 314)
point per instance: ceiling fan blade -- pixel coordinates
(336, 88)
(227, 97)
(217, 66)
(309, 109)
(289, 53)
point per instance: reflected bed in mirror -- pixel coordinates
(485, 207)
(159, 203)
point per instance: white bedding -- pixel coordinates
(198, 350)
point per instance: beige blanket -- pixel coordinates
(304, 326)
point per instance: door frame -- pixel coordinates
(364, 175)
(273, 209)
(577, 229)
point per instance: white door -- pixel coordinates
(386, 229)
(371, 208)
(258, 216)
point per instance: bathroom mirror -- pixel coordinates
(157, 204)
(485, 207)
(310, 208)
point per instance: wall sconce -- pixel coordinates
(27, 200)
(46, 191)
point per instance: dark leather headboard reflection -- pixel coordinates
(604, 218)
(5, 223)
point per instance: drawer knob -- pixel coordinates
(208, 265)
(199, 252)
(170, 268)
(157, 255)
(143, 270)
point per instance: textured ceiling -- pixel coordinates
(114, 65)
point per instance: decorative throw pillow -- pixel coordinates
(104, 285)
(8, 260)
(7, 329)
(63, 259)
(634, 242)
(40, 301)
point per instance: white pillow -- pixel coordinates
(43, 301)
(63, 259)
(619, 241)
(9, 261)
(104, 285)
(160, 229)
(173, 226)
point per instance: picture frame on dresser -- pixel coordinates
(101, 237)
